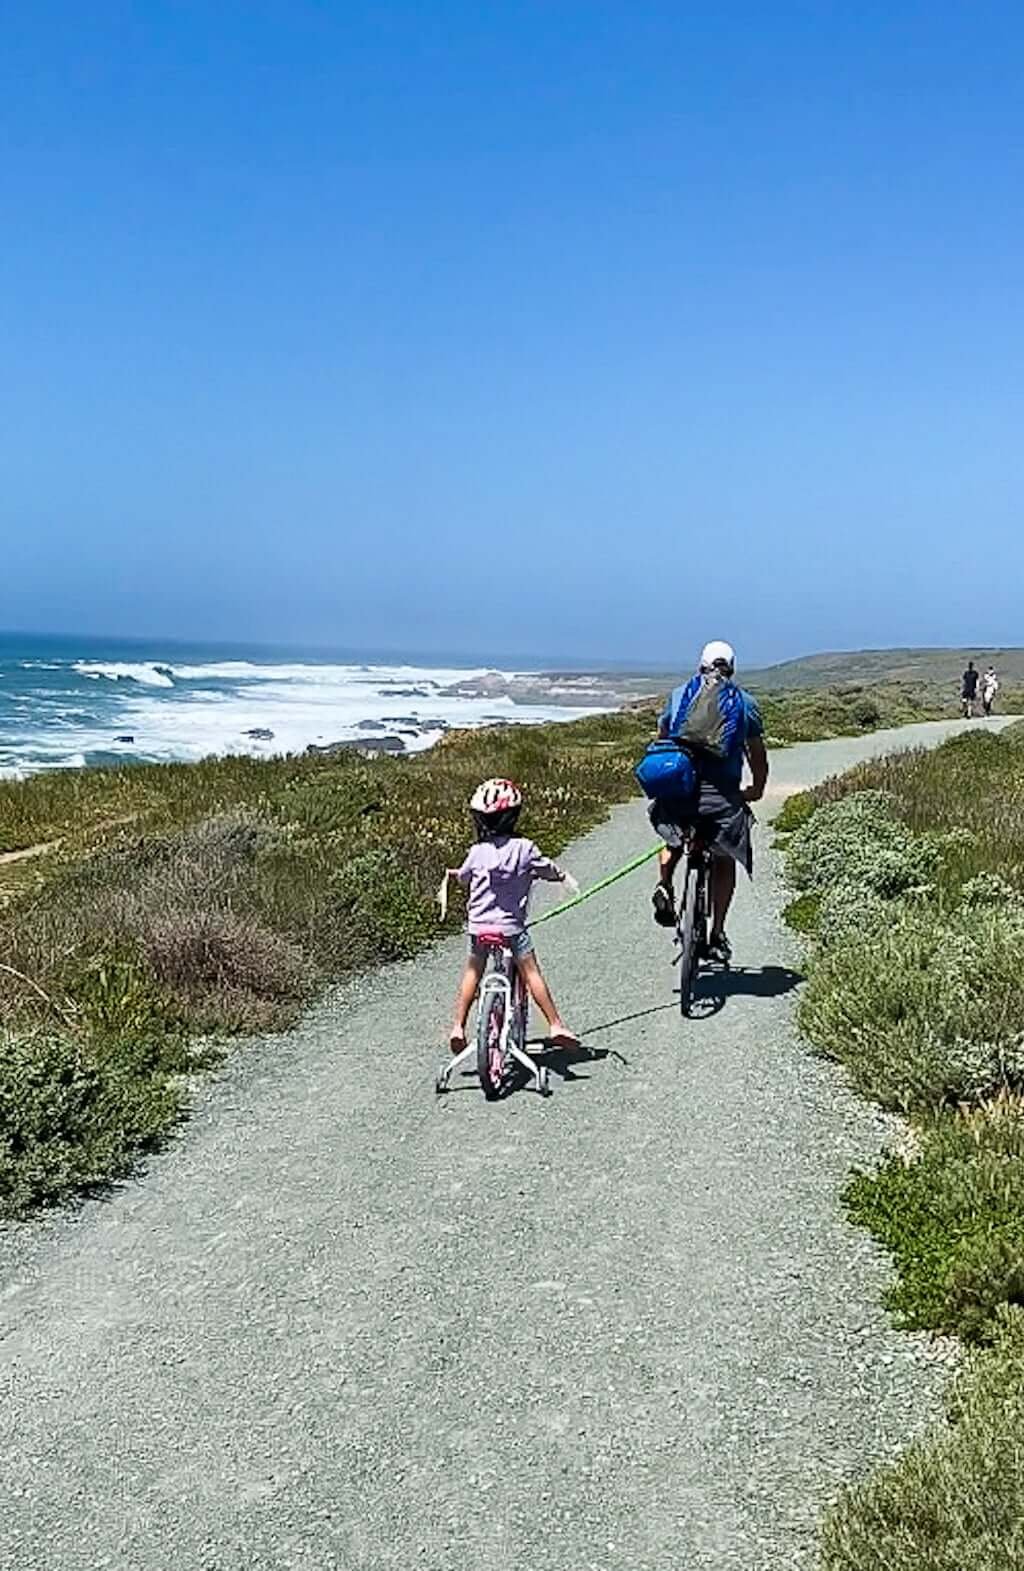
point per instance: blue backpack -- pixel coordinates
(708, 719)
(667, 772)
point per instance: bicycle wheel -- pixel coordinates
(688, 934)
(490, 1035)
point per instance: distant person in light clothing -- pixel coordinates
(989, 689)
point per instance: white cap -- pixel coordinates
(717, 650)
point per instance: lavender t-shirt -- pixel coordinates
(498, 874)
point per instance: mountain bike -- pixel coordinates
(692, 926)
(503, 1009)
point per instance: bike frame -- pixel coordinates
(503, 979)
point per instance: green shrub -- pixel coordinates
(390, 917)
(953, 1219)
(795, 812)
(952, 1502)
(856, 840)
(115, 997)
(866, 712)
(71, 1115)
(802, 913)
(988, 889)
(925, 1009)
(849, 913)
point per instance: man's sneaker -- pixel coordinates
(664, 906)
(719, 950)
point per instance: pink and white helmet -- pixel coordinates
(496, 796)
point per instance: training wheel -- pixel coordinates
(544, 1081)
(441, 1082)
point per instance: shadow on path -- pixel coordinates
(767, 982)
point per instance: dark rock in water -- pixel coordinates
(371, 725)
(412, 720)
(409, 692)
(260, 734)
(124, 739)
(369, 747)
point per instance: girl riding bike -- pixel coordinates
(498, 873)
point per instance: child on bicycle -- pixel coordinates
(498, 873)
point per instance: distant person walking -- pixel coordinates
(989, 689)
(968, 690)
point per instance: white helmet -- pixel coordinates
(496, 796)
(718, 652)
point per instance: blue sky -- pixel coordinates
(567, 328)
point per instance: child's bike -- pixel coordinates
(502, 1012)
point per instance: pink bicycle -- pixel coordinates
(503, 1010)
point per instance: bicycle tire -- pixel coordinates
(490, 1025)
(689, 937)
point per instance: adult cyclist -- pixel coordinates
(721, 813)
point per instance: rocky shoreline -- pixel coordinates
(397, 734)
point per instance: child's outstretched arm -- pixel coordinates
(544, 868)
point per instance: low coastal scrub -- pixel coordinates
(910, 871)
(810, 714)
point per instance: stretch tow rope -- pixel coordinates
(613, 878)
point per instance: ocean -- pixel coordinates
(71, 703)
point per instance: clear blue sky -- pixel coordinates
(554, 327)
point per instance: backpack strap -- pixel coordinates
(686, 695)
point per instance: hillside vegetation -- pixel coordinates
(910, 872)
(937, 670)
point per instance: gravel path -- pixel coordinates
(339, 1324)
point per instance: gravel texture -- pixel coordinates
(339, 1323)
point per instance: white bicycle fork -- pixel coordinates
(495, 982)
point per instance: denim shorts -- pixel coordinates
(521, 945)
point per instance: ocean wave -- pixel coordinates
(152, 710)
(245, 671)
(124, 671)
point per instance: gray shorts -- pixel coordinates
(521, 945)
(722, 821)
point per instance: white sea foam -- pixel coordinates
(123, 671)
(204, 709)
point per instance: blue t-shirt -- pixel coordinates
(729, 770)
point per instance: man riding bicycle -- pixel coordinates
(719, 813)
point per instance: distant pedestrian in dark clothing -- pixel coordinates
(968, 690)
